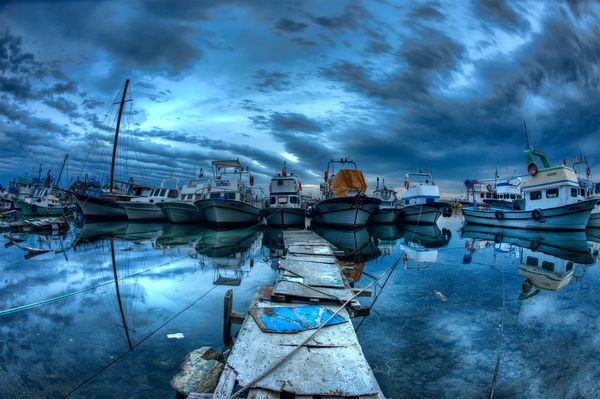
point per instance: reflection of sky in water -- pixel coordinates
(418, 345)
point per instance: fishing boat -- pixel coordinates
(552, 201)
(285, 201)
(388, 211)
(229, 199)
(144, 208)
(99, 202)
(420, 200)
(183, 210)
(590, 189)
(344, 203)
(44, 202)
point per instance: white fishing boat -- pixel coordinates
(285, 207)
(590, 189)
(344, 203)
(388, 211)
(183, 210)
(144, 208)
(553, 201)
(420, 200)
(229, 199)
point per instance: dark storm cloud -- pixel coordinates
(287, 25)
(291, 121)
(272, 80)
(501, 13)
(64, 105)
(426, 11)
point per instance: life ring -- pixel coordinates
(536, 214)
(34, 208)
(499, 215)
(532, 168)
(489, 188)
(406, 184)
(534, 245)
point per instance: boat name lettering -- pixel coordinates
(222, 183)
(551, 174)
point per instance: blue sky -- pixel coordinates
(396, 86)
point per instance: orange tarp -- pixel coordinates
(346, 180)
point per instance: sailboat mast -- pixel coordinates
(61, 170)
(114, 265)
(114, 153)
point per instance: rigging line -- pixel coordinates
(85, 382)
(500, 340)
(375, 299)
(70, 294)
(305, 341)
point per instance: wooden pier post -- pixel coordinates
(227, 304)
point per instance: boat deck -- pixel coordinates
(330, 363)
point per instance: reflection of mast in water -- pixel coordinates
(114, 265)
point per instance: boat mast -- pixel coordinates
(114, 153)
(61, 170)
(114, 265)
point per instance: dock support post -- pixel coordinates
(227, 304)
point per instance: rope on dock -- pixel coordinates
(81, 291)
(279, 362)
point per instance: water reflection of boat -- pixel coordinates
(140, 231)
(429, 236)
(571, 246)
(229, 251)
(357, 244)
(544, 272)
(273, 241)
(385, 231)
(95, 231)
(175, 235)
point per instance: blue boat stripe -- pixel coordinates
(552, 182)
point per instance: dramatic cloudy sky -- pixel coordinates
(395, 85)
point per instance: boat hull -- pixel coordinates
(228, 212)
(181, 212)
(594, 222)
(421, 214)
(567, 217)
(385, 216)
(349, 212)
(285, 216)
(141, 211)
(99, 208)
(36, 210)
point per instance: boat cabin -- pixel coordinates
(550, 186)
(420, 189)
(386, 194)
(285, 190)
(231, 181)
(193, 190)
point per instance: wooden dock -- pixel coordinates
(329, 364)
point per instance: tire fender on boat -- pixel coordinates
(536, 214)
(499, 215)
(534, 245)
(489, 188)
(34, 208)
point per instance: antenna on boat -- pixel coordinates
(114, 153)
(526, 136)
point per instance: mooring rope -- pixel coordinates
(500, 341)
(85, 382)
(305, 341)
(81, 291)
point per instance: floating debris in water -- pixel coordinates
(175, 336)
(439, 295)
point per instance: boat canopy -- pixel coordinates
(346, 180)
(235, 163)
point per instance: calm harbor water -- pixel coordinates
(456, 299)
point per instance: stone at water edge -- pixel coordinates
(200, 372)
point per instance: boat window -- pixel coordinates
(282, 200)
(512, 196)
(273, 200)
(532, 261)
(569, 266)
(548, 266)
(173, 194)
(430, 201)
(162, 192)
(590, 193)
(582, 191)
(573, 192)
(293, 200)
(535, 195)
(552, 193)
(406, 202)
(482, 195)
(488, 195)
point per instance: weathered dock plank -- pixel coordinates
(330, 363)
